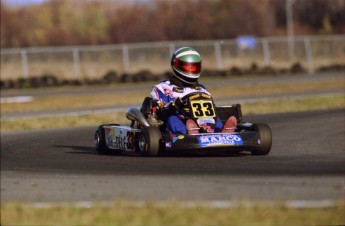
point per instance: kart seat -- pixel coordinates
(146, 106)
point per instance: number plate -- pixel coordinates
(219, 139)
(202, 108)
(119, 137)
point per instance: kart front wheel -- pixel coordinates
(99, 140)
(149, 140)
(265, 139)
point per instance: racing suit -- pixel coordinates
(165, 92)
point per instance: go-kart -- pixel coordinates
(147, 134)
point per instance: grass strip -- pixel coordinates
(135, 98)
(151, 213)
(295, 105)
(276, 106)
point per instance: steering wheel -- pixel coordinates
(200, 104)
(197, 94)
(180, 103)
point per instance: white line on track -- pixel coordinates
(295, 204)
(18, 99)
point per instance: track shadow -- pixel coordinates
(163, 154)
(209, 154)
(79, 149)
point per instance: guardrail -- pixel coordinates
(87, 62)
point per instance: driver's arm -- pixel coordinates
(165, 101)
(158, 95)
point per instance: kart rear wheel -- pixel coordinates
(149, 141)
(265, 139)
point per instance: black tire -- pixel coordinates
(265, 139)
(149, 141)
(100, 142)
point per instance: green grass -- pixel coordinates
(295, 105)
(110, 99)
(276, 106)
(61, 122)
(151, 213)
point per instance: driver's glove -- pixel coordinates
(172, 105)
(177, 103)
(161, 105)
(164, 106)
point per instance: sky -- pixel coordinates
(32, 2)
(21, 2)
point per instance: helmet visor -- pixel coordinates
(186, 67)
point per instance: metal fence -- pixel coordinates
(89, 62)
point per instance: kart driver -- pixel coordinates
(186, 67)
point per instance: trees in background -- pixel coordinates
(63, 22)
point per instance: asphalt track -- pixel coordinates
(307, 162)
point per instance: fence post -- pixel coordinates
(219, 59)
(309, 55)
(76, 61)
(266, 50)
(171, 48)
(290, 28)
(125, 58)
(25, 67)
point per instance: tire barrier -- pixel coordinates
(50, 80)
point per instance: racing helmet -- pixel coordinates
(186, 65)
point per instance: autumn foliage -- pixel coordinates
(57, 23)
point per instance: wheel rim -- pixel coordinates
(96, 140)
(142, 143)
